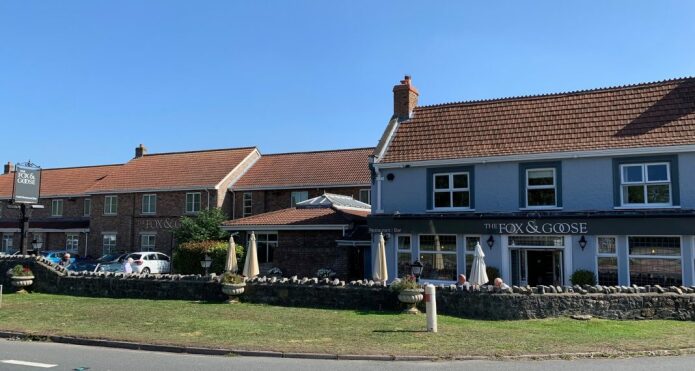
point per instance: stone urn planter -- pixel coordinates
(233, 290)
(410, 297)
(22, 282)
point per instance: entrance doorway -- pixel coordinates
(537, 267)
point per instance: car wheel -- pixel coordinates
(145, 271)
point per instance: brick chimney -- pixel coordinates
(9, 167)
(404, 98)
(140, 151)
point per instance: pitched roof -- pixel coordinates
(308, 169)
(643, 115)
(70, 181)
(176, 170)
(334, 200)
(298, 217)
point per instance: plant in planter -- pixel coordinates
(22, 277)
(325, 273)
(274, 272)
(233, 285)
(409, 293)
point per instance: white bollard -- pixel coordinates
(0, 296)
(431, 307)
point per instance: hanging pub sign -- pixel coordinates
(27, 184)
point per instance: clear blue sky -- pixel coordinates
(83, 82)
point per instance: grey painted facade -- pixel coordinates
(587, 186)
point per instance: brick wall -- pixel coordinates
(271, 200)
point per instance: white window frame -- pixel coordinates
(111, 205)
(55, 205)
(192, 203)
(294, 203)
(72, 242)
(644, 183)
(673, 257)
(403, 251)
(111, 249)
(454, 252)
(149, 196)
(247, 204)
(87, 207)
(145, 239)
(606, 255)
(368, 192)
(543, 186)
(451, 191)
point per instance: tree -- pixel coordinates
(205, 226)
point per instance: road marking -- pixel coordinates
(25, 363)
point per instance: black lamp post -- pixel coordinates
(416, 270)
(582, 242)
(36, 245)
(491, 242)
(205, 263)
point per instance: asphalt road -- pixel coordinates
(23, 356)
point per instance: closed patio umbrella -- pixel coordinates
(231, 263)
(379, 271)
(478, 274)
(251, 266)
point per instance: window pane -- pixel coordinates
(606, 245)
(441, 181)
(442, 199)
(657, 172)
(469, 264)
(461, 181)
(540, 177)
(404, 243)
(666, 246)
(438, 266)
(664, 272)
(633, 194)
(658, 194)
(461, 199)
(470, 243)
(541, 197)
(535, 241)
(608, 271)
(403, 264)
(437, 243)
(632, 173)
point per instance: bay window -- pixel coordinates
(438, 257)
(655, 261)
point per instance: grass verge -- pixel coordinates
(262, 327)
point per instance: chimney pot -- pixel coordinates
(404, 98)
(140, 151)
(8, 168)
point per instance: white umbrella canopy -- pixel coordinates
(251, 266)
(231, 264)
(379, 271)
(478, 274)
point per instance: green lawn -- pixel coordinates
(261, 327)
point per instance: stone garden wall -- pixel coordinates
(514, 303)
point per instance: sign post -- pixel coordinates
(25, 191)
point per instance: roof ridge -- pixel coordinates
(558, 94)
(198, 151)
(318, 151)
(79, 167)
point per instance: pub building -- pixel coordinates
(599, 180)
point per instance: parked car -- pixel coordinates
(150, 262)
(85, 266)
(56, 255)
(112, 262)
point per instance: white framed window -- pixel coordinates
(149, 204)
(247, 204)
(471, 242)
(405, 254)
(645, 185)
(110, 205)
(72, 242)
(297, 197)
(8, 243)
(366, 196)
(56, 207)
(192, 202)
(87, 207)
(607, 260)
(438, 257)
(451, 191)
(655, 260)
(266, 243)
(148, 241)
(541, 188)
(108, 243)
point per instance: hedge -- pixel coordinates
(187, 257)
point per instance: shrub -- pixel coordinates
(187, 256)
(325, 273)
(583, 277)
(274, 272)
(492, 273)
(21, 271)
(406, 283)
(204, 226)
(232, 278)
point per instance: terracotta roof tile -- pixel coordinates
(644, 115)
(320, 168)
(72, 181)
(294, 216)
(178, 170)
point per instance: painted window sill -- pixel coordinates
(450, 210)
(665, 207)
(549, 208)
